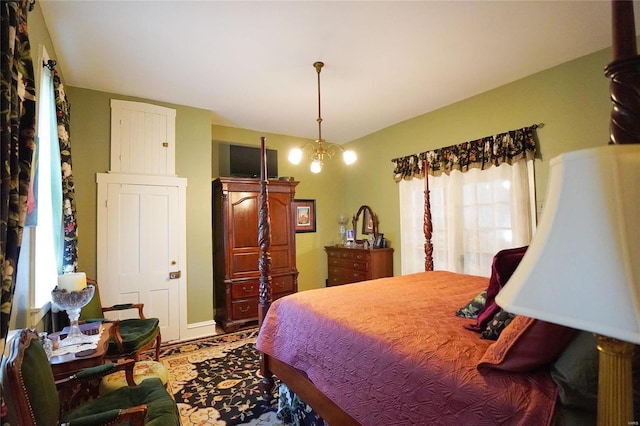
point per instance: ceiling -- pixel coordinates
(251, 62)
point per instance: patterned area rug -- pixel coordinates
(216, 381)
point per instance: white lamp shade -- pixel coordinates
(582, 268)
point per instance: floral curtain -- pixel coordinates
(508, 147)
(18, 105)
(63, 108)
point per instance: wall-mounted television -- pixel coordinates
(244, 161)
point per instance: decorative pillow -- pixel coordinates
(576, 373)
(496, 325)
(504, 263)
(470, 310)
(526, 345)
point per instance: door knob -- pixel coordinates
(175, 275)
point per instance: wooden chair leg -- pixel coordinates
(158, 343)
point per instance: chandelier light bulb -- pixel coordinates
(316, 166)
(349, 157)
(295, 156)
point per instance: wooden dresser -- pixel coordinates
(350, 265)
(236, 250)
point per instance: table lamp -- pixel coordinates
(582, 269)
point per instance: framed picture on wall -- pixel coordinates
(305, 215)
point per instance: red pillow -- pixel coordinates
(527, 344)
(504, 263)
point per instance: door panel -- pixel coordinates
(142, 250)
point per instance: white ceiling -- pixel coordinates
(250, 62)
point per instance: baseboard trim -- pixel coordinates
(199, 330)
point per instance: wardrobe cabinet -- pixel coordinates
(236, 252)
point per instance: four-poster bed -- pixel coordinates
(421, 365)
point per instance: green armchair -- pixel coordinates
(33, 393)
(130, 336)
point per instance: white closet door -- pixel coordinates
(141, 247)
(142, 138)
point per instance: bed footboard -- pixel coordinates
(305, 389)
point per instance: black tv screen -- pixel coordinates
(244, 161)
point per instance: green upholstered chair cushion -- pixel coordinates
(162, 411)
(136, 333)
(40, 385)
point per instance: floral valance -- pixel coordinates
(509, 147)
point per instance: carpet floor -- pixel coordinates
(216, 381)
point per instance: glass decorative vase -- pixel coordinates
(73, 302)
(342, 227)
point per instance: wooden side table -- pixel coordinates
(68, 364)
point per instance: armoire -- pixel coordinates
(236, 251)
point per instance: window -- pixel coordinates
(474, 214)
(43, 234)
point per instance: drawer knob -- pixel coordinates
(247, 290)
(244, 309)
(279, 284)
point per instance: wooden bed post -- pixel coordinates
(264, 266)
(624, 73)
(428, 226)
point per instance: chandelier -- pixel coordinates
(320, 149)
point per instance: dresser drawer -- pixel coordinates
(342, 279)
(346, 275)
(352, 254)
(244, 289)
(282, 284)
(243, 309)
(361, 265)
(333, 253)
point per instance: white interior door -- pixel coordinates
(142, 248)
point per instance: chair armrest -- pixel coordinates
(133, 416)
(83, 386)
(99, 371)
(126, 306)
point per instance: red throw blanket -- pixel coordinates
(391, 351)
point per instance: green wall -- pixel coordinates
(571, 100)
(90, 143)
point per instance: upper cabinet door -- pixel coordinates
(142, 138)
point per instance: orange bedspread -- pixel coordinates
(391, 351)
